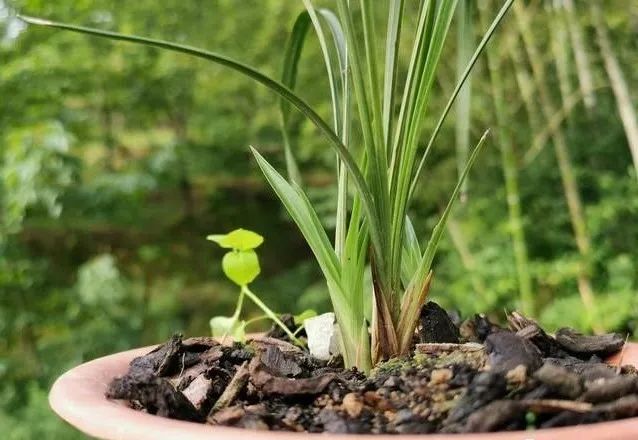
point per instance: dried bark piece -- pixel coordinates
(436, 325)
(268, 383)
(184, 378)
(477, 328)
(200, 343)
(588, 371)
(198, 391)
(155, 394)
(280, 364)
(619, 409)
(606, 390)
(530, 330)
(485, 388)
(263, 342)
(560, 381)
(494, 416)
(161, 361)
(507, 351)
(577, 343)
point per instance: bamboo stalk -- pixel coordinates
(510, 172)
(558, 37)
(467, 258)
(525, 85)
(618, 83)
(583, 67)
(568, 178)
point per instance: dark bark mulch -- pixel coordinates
(470, 376)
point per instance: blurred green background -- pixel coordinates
(117, 160)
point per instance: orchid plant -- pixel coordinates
(375, 131)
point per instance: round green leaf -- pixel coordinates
(242, 267)
(222, 326)
(239, 239)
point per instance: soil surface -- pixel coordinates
(470, 376)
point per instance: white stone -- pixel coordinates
(323, 336)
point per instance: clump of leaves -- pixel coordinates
(241, 266)
(375, 132)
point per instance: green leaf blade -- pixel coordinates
(239, 239)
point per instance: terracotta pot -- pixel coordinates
(78, 397)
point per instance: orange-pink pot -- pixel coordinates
(78, 397)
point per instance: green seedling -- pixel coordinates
(241, 266)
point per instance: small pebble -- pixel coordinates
(441, 376)
(352, 404)
(517, 376)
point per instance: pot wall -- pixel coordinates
(78, 397)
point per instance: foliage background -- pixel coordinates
(116, 161)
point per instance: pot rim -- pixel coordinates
(78, 397)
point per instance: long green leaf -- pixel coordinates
(411, 253)
(305, 217)
(477, 53)
(377, 163)
(347, 305)
(393, 41)
(411, 301)
(292, 54)
(280, 89)
(437, 232)
(330, 70)
(465, 42)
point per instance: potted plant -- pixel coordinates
(405, 365)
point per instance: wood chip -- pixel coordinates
(576, 342)
(434, 348)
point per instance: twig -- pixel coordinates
(237, 383)
(622, 354)
(433, 348)
(556, 405)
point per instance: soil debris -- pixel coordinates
(478, 377)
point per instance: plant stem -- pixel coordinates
(271, 315)
(240, 303)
